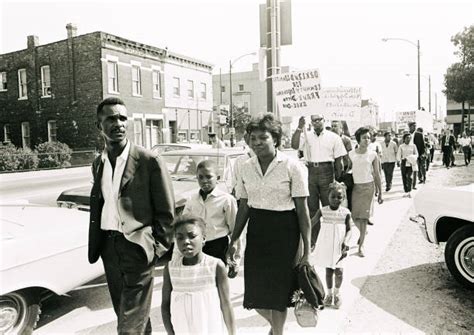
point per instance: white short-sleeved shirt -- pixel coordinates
(284, 180)
(362, 167)
(323, 148)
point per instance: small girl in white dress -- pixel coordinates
(195, 293)
(332, 242)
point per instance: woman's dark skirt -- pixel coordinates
(270, 259)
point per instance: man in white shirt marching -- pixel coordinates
(389, 158)
(323, 152)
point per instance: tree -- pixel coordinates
(459, 77)
(241, 119)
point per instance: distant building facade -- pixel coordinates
(454, 116)
(50, 92)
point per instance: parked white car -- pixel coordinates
(43, 251)
(447, 215)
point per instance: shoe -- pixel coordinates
(337, 301)
(370, 223)
(414, 188)
(328, 300)
(361, 252)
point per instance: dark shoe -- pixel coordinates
(414, 188)
(370, 223)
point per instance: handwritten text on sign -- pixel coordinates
(298, 93)
(341, 103)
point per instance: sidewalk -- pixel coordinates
(388, 216)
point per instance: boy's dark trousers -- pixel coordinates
(447, 156)
(388, 172)
(217, 248)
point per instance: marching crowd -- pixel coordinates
(285, 208)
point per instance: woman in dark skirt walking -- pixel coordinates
(273, 190)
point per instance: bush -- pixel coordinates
(53, 154)
(8, 161)
(26, 159)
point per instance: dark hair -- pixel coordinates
(181, 220)
(386, 133)
(336, 186)
(405, 136)
(419, 129)
(109, 101)
(207, 163)
(266, 122)
(361, 131)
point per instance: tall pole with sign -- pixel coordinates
(275, 31)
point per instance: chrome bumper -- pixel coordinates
(421, 221)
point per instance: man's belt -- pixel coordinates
(317, 164)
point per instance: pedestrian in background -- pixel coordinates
(428, 153)
(195, 292)
(323, 153)
(388, 159)
(447, 147)
(454, 147)
(131, 211)
(419, 142)
(273, 194)
(466, 144)
(217, 208)
(404, 151)
(366, 173)
(333, 241)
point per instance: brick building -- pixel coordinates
(50, 92)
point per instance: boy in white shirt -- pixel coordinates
(217, 208)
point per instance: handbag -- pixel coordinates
(306, 315)
(309, 298)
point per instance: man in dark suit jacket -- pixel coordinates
(132, 208)
(447, 147)
(419, 142)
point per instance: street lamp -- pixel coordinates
(429, 88)
(231, 106)
(417, 45)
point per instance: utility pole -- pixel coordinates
(418, 52)
(429, 93)
(273, 49)
(231, 106)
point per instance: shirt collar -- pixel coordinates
(123, 156)
(320, 134)
(216, 192)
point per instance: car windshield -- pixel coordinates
(184, 166)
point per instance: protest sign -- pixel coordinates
(341, 103)
(298, 93)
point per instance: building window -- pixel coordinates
(6, 133)
(190, 89)
(25, 134)
(3, 81)
(136, 80)
(203, 91)
(138, 131)
(156, 76)
(176, 87)
(52, 131)
(222, 89)
(112, 74)
(22, 88)
(153, 134)
(241, 87)
(45, 81)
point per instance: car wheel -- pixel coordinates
(459, 255)
(19, 312)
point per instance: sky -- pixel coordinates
(343, 39)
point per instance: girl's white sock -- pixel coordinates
(336, 291)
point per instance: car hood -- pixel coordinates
(30, 232)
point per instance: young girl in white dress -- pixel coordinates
(332, 242)
(195, 293)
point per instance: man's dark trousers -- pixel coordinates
(388, 172)
(319, 178)
(447, 156)
(130, 282)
